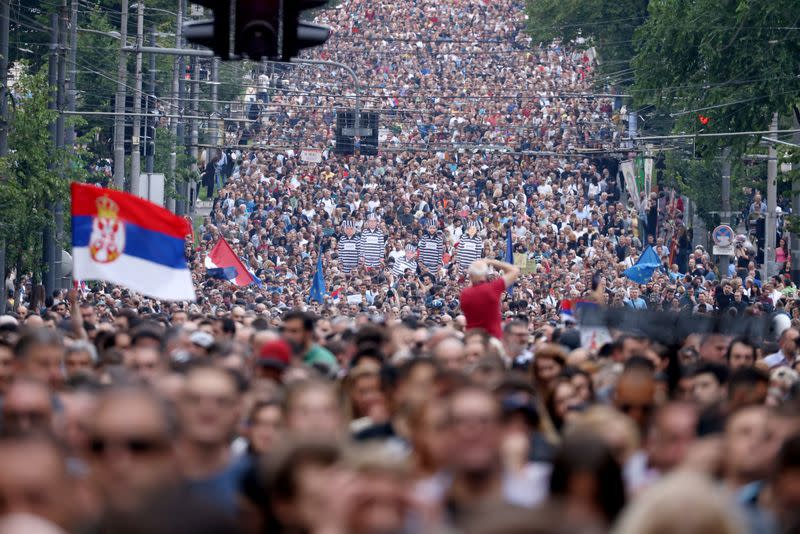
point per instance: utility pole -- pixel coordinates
(772, 189)
(724, 261)
(136, 154)
(193, 151)
(216, 122)
(119, 102)
(795, 244)
(175, 104)
(5, 15)
(72, 75)
(48, 249)
(150, 144)
(180, 139)
(58, 214)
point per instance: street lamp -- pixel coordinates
(113, 33)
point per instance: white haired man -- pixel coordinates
(480, 302)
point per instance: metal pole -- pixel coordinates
(215, 123)
(724, 261)
(171, 51)
(136, 132)
(194, 152)
(795, 244)
(119, 102)
(5, 14)
(58, 214)
(150, 144)
(175, 103)
(52, 80)
(772, 189)
(180, 137)
(72, 75)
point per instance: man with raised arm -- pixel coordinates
(480, 302)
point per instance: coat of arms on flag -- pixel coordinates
(107, 240)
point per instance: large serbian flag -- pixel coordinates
(123, 239)
(223, 263)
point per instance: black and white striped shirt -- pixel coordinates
(468, 250)
(431, 250)
(349, 250)
(402, 264)
(373, 247)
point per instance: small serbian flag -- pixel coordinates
(222, 262)
(123, 239)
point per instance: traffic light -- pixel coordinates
(214, 33)
(298, 34)
(257, 29)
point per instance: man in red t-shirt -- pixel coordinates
(480, 303)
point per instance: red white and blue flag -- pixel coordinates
(222, 262)
(571, 308)
(123, 239)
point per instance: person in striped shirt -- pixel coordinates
(469, 247)
(431, 247)
(373, 243)
(349, 247)
(406, 262)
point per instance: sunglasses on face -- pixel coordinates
(135, 445)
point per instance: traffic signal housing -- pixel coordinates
(257, 29)
(214, 33)
(297, 33)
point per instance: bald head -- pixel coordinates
(450, 353)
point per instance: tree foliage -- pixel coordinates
(733, 62)
(29, 181)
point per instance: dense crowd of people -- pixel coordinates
(440, 382)
(119, 416)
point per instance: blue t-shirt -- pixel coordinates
(222, 488)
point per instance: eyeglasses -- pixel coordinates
(33, 417)
(220, 401)
(644, 408)
(135, 445)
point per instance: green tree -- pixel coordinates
(30, 180)
(733, 62)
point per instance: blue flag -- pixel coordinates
(509, 253)
(644, 268)
(222, 273)
(318, 284)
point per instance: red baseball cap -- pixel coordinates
(276, 354)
